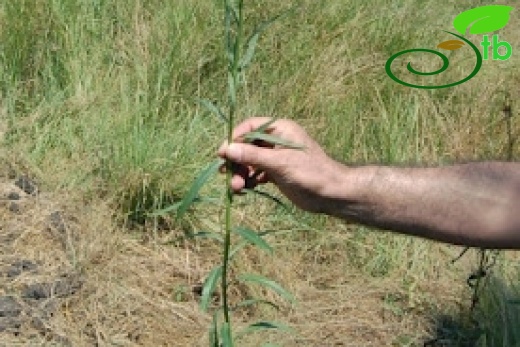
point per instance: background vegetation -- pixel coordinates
(97, 102)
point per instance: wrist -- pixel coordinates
(346, 191)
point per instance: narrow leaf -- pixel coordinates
(197, 185)
(209, 287)
(225, 332)
(274, 140)
(253, 238)
(266, 282)
(252, 302)
(166, 210)
(227, 30)
(232, 11)
(264, 325)
(241, 245)
(262, 128)
(451, 45)
(237, 249)
(485, 19)
(252, 41)
(268, 325)
(232, 89)
(251, 44)
(211, 107)
(213, 333)
(175, 206)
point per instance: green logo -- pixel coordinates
(482, 20)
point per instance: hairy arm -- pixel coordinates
(476, 204)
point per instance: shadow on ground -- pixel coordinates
(453, 331)
(495, 321)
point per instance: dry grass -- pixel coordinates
(137, 292)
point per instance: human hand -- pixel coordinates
(303, 175)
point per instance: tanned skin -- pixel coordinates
(473, 204)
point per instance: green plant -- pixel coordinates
(239, 54)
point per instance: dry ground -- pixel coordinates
(70, 276)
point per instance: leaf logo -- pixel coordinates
(483, 19)
(451, 45)
(479, 20)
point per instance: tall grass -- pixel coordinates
(498, 312)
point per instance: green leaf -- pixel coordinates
(260, 134)
(232, 11)
(209, 287)
(241, 245)
(225, 332)
(268, 325)
(252, 41)
(166, 210)
(232, 89)
(274, 140)
(262, 128)
(175, 206)
(266, 282)
(236, 249)
(211, 107)
(213, 333)
(227, 29)
(485, 19)
(197, 185)
(264, 325)
(253, 238)
(250, 52)
(252, 302)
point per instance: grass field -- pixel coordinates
(97, 105)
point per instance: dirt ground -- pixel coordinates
(70, 277)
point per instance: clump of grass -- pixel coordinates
(499, 313)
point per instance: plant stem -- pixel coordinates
(234, 71)
(227, 242)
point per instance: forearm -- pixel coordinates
(471, 204)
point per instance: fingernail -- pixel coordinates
(234, 152)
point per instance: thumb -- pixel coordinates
(251, 155)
